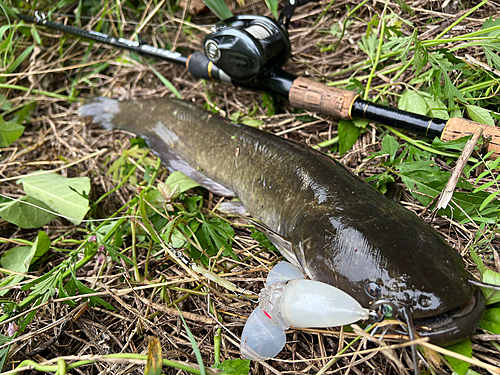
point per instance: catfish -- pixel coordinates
(324, 220)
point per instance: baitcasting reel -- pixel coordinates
(247, 47)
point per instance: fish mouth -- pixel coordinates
(455, 324)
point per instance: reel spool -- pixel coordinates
(247, 47)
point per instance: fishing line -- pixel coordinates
(411, 334)
(484, 285)
(63, 216)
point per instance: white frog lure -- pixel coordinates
(289, 300)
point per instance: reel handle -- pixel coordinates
(318, 97)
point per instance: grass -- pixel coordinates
(88, 293)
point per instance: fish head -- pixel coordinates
(399, 261)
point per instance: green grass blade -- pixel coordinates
(193, 343)
(165, 81)
(20, 59)
(219, 8)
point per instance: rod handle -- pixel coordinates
(318, 97)
(459, 127)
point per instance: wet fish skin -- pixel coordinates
(342, 231)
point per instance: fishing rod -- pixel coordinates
(249, 51)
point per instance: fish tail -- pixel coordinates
(102, 110)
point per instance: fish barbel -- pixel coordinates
(326, 221)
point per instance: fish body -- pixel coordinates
(331, 224)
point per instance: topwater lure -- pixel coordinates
(289, 300)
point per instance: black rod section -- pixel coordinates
(130, 45)
(277, 82)
(428, 126)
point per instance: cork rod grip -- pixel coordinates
(318, 97)
(459, 127)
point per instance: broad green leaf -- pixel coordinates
(180, 182)
(219, 8)
(380, 181)
(154, 361)
(423, 165)
(348, 134)
(463, 347)
(263, 240)
(491, 277)
(19, 258)
(490, 23)
(456, 144)
(15, 260)
(235, 366)
(42, 245)
(425, 185)
(412, 101)
(254, 123)
(193, 204)
(62, 194)
(215, 234)
(491, 55)
(360, 122)
(491, 320)
(436, 108)
(423, 103)
(480, 114)
(30, 214)
(9, 132)
(390, 145)
(6, 104)
(177, 239)
(235, 116)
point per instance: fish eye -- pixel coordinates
(373, 290)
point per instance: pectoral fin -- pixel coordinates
(233, 208)
(175, 163)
